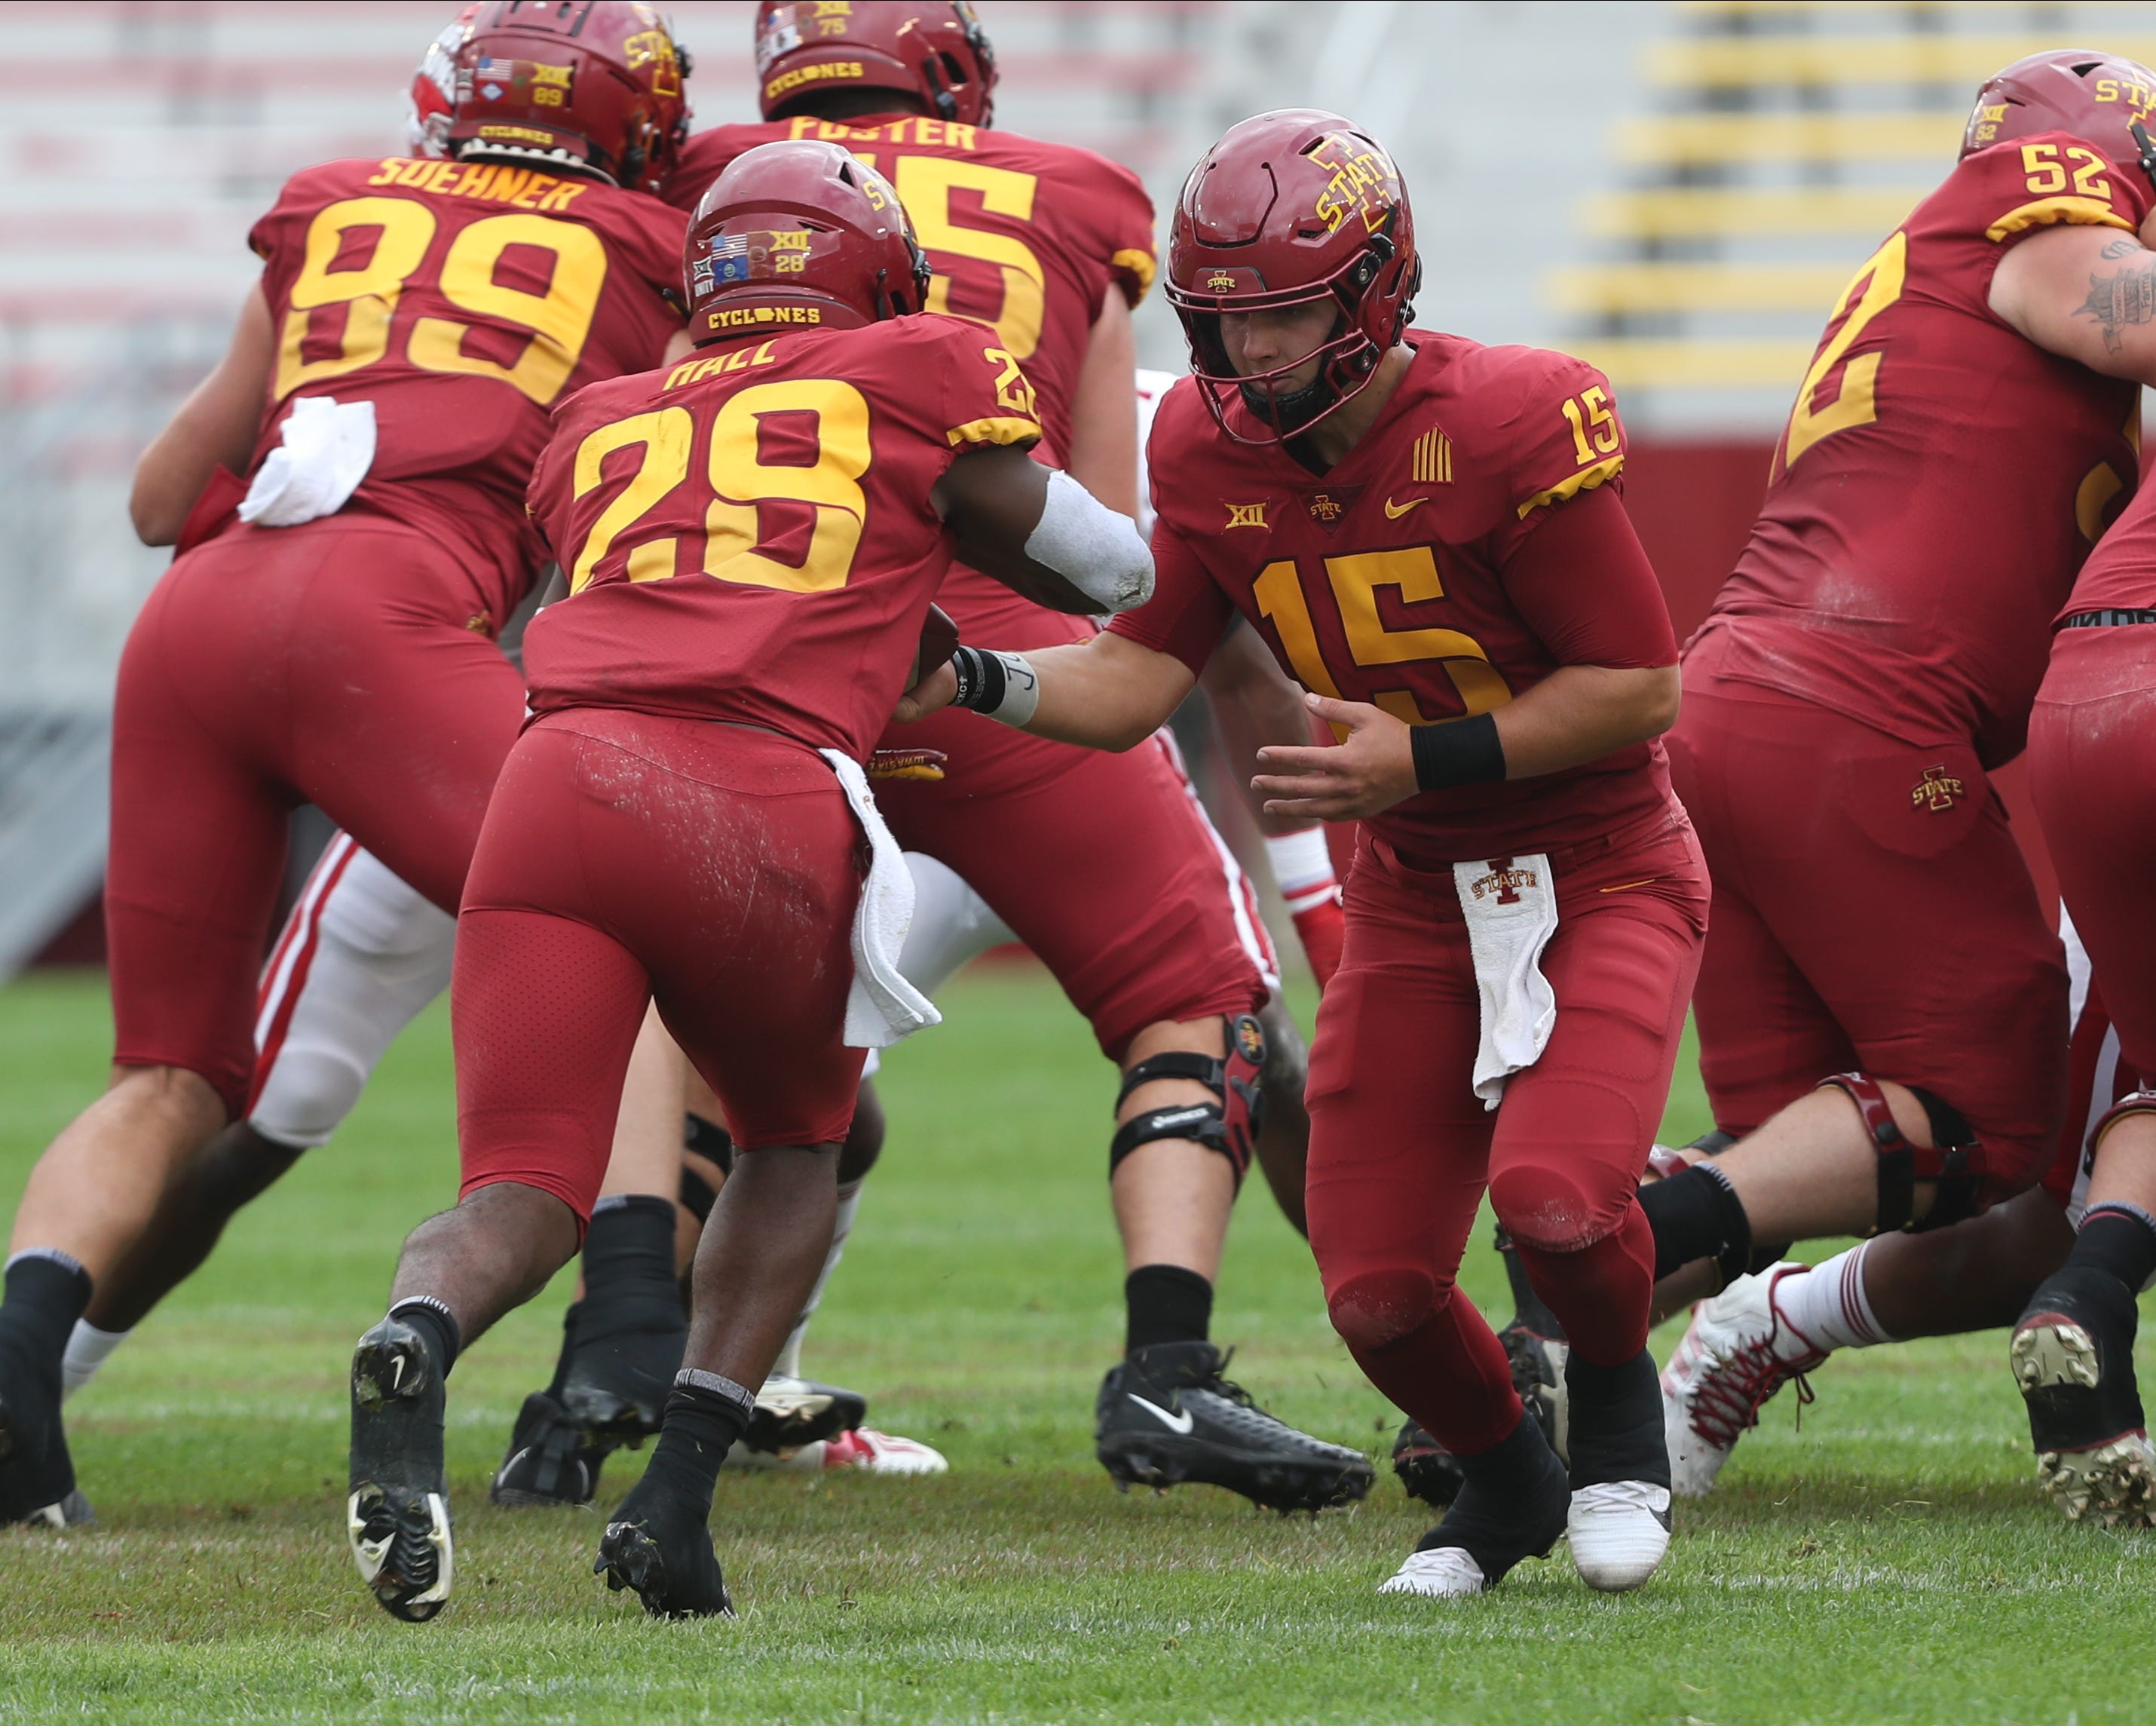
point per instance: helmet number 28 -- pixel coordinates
(403, 229)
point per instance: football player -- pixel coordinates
(333, 643)
(2090, 773)
(1965, 432)
(753, 538)
(1144, 919)
(1426, 533)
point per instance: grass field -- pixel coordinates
(1889, 1562)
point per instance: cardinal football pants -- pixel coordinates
(1401, 1148)
(345, 663)
(1872, 911)
(628, 856)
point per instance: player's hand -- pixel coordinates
(933, 692)
(1371, 771)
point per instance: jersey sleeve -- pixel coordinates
(1559, 435)
(1188, 611)
(987, 396)
(1127, 219)
(2015, 189)
(1584, 586)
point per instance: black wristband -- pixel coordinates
(1466, 751)
(981, 679)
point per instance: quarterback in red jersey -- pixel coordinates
(1139, 918)
(387, 388)
(1428, 535)
(752, 539)
(1965, 432)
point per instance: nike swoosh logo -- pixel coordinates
(1394, 511)
(395, 1373)
(1174, 1423)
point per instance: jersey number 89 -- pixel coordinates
(557, 320)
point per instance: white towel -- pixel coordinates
(1510, 907)
(328, 447)
(883, 1006)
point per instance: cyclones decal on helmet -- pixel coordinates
(1289, 208)
(799, 234)
(935, 51)
(2096, 96)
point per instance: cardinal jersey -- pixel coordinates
(1385, 580)
(2121, 574)
(1027, 236)
(1942, 477)
(463, 299)
(749, 537)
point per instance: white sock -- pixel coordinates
(1828, 1304)
(88, 1349)
(788, 1364)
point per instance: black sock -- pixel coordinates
(2119, 1241)
(45, 1296)
(1165, 1304)
(1514, 1464)
(1615, 1429)
(561, 1379)
(700, 1427)
(1696, 1215)
(629, 1286)
(1529, 1311)
(433, 1322)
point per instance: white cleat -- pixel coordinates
(864, 1448)
(1736, 1353)
(882, 1453)
(1443, 1572)
(1619, 1532)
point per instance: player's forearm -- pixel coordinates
(1104, 417)
(1107, 693)
(215, 426)
(1581, 713)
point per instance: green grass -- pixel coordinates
(1889, 1562)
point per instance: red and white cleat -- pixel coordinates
(864, 1448)
(1736, 1353)
(882, 1453)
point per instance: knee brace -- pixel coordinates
(1958, 1161)
(1373, 1308)
(1230, 1126)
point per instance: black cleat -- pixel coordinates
(1166, 1416)
(397, 1517)
(791, 1413)
(2073, 1360)
(1491, 1529)
(619, 1377)
(37, 1476)
(550, 1460)
(662, 1549)
(1429, 1471)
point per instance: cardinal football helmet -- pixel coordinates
(2092, 95)
(936, 51)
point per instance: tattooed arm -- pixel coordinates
(2085, 294)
